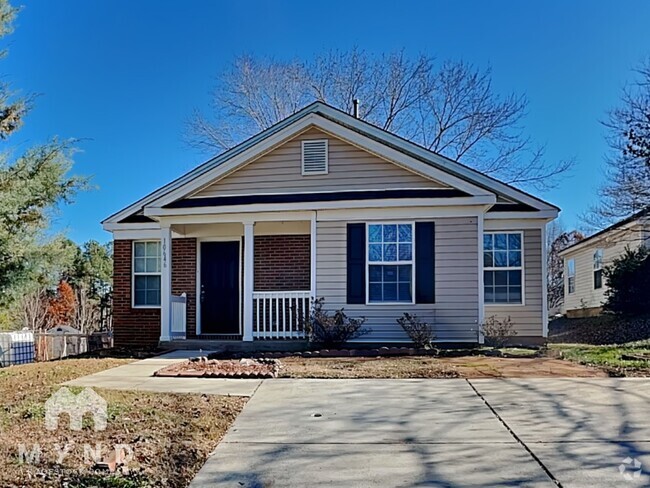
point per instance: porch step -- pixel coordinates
(237, 345)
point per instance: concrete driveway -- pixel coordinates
(406, 433)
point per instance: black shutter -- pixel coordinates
(356, 286)
(424, 262)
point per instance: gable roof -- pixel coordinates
(618, 225)
(319, 113)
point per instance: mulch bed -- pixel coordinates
(601, 330)
(203, 367)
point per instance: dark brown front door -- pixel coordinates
(220, 287)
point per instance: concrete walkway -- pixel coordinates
(405, 433)
(138, 376)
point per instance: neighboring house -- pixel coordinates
(323, 204)
(584, 283)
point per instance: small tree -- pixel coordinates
(628, 283)
(63, 305)
(332, 330)
(421, 333)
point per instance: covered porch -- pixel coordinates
(237, 277)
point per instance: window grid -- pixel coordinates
(503, 267)
(598, 269)
(146, 274)
(390, 255)
(571, 275)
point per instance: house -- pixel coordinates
(323, 204)
(584, 284)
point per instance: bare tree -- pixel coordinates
(87, 316)
(557, 239)
(35, 310)
(448, 107)
(626, 188)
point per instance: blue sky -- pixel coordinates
(123, 76)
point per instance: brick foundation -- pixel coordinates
(282, 262)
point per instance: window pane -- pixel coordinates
(488, 242)
(514, 294)
(390, 252)
(488, 262)
(514, 241)
(501, 294)
(489, 294)
(374, 253)
(501, 278)
(405, 252)
(405, 233)
(153, 249)
(514, 258)
(375, 292)
(390, 273)
(152, 265)
(374, 233)
(390, 292)
(404, 291)
(153, 282)
(488, 277)
(405, 272)
(153, 297)
(375, 273)
(139, 248)
(571, 267)
(139, 265)
(500, 259)
(514, 278)
(501, 241)
(390, 233)
(139, 298)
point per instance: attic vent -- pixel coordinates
(314, 157)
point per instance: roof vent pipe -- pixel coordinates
(355, 108)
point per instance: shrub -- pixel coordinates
(497, 332)
(628, 283)
(421, 333)
(332, 329)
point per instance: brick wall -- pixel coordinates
(141, 327)
(184, 277)
(282, 262)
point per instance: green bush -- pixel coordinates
(628, 282)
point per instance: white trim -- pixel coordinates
(111, 227)
(509, 268)
(390, 263)
(305, 206)
(544, 284)
(302, 157)
(313, 255)
(249, 277)
(133, 273)
(546, 215)
(490, 225)
(165, 283)
(481, 285)
(425, 213)
(200, 240)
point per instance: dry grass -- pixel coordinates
(428, 367)
(171, 435)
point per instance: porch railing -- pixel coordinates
(178, 316)
(280, 314)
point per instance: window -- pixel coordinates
(314, 157)
(502, 267)
(571, 275)
(146, 274)
(390, 263)
(598, 269)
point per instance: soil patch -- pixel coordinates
(222, 368)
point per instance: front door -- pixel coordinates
(220, 287)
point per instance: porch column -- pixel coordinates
(165, 282)
(249, 277)
(312, 257)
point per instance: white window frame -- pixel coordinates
(389, 263)
(302, 157)
(598, 266)
(144, 273)
(521, 268)
(570, 276)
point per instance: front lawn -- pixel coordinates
(170, 435)
(630, 359)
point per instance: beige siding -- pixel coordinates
(585, 295)
(455, 313)
(527, 318)
(350, 168)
